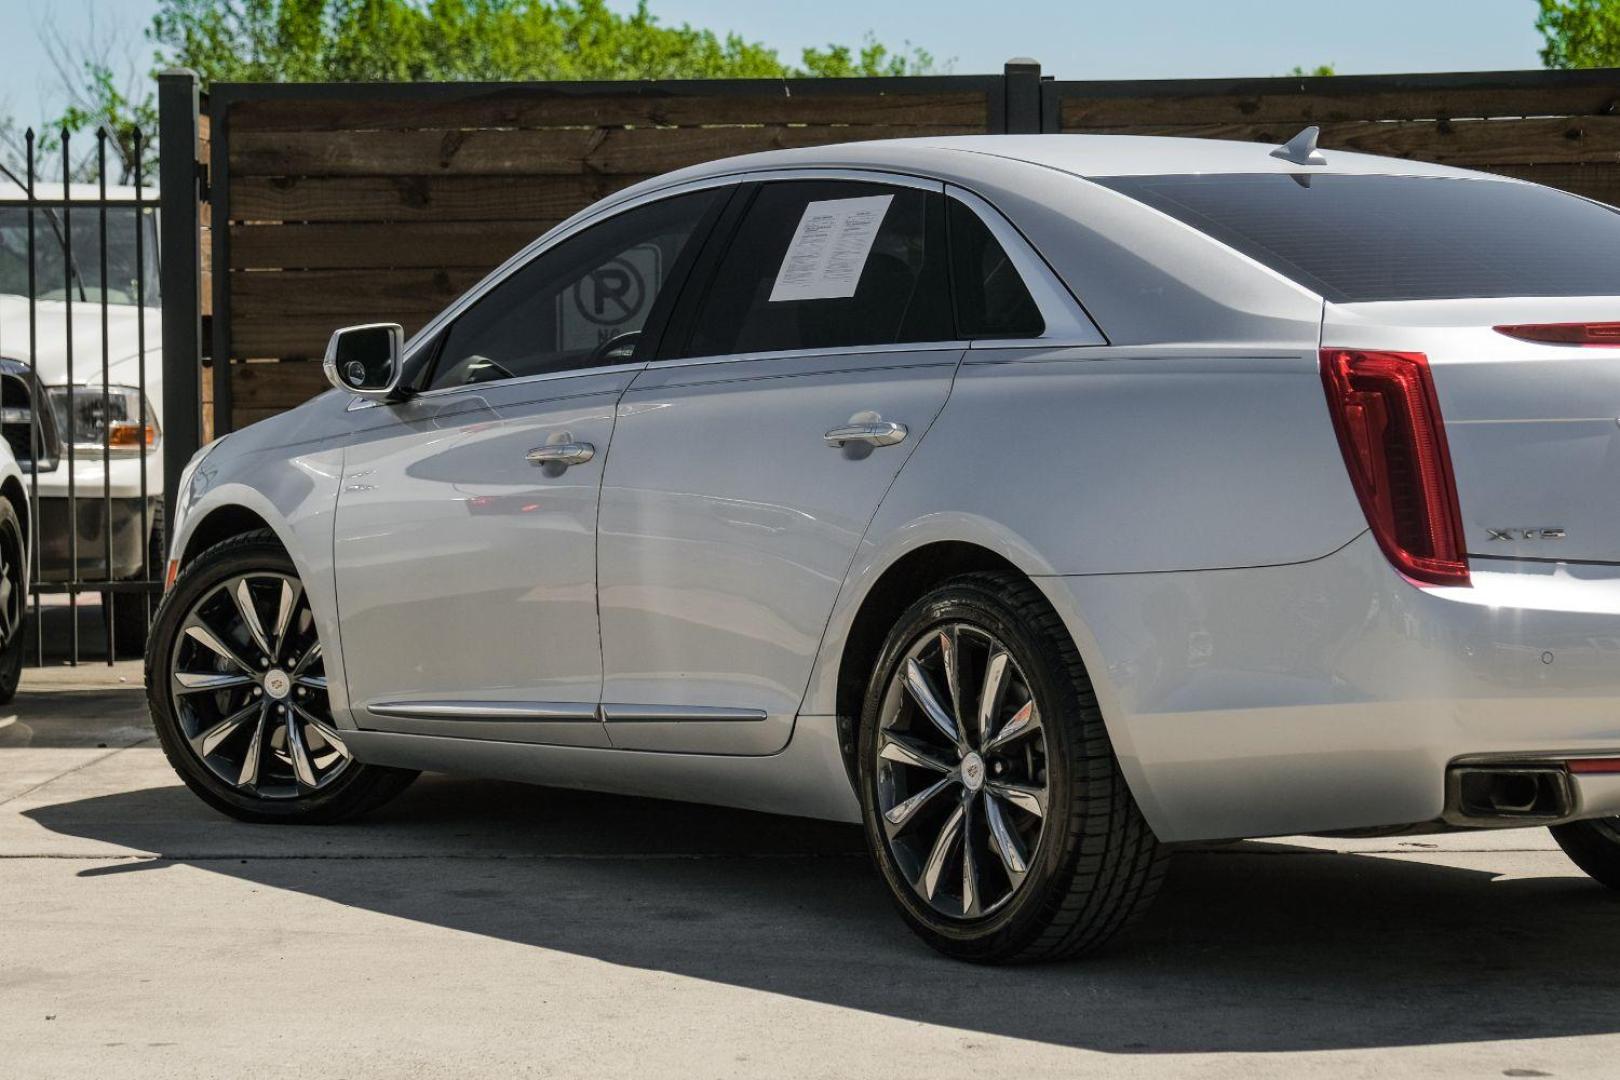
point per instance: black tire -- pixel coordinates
(1095, 865)
(1594, 846)
(13, 601)
(352, 790)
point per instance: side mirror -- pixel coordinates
(367, 360)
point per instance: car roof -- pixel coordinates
(1088, 156)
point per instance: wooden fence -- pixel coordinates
(347, 203)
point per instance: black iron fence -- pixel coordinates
(79, 311)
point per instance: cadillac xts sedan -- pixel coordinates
(1038, 502)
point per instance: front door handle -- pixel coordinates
(562, 454)
(873, 433)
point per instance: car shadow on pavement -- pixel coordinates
(1255, 947)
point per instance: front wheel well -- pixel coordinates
(901, 585)
(219, 525)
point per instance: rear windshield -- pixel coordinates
(1363, 238)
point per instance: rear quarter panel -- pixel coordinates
(1116, 463)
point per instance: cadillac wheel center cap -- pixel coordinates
(277, 684)
(973, 771)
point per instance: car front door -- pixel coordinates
(746, 468)
(465, 532)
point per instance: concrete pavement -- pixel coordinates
(487, 929)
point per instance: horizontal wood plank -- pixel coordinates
(419, 198)
(587, 151)
(304, 337)
(535, 107)
(355, 295)
(1309, 101)
(276, 386)
(1600, 182)
(1468, 143)
(437, 244)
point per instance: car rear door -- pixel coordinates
(746, 468)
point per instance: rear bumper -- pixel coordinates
(1332, 695)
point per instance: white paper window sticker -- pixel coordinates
(828, 251)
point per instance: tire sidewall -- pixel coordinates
(204, 575)
(12, 655)
(1022, 918)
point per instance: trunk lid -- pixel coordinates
(1533, 428)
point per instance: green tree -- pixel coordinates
(449, 40)
(1316, 72)
(1580, 33)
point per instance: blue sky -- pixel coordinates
(1103, 39)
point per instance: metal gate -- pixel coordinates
(79, 374)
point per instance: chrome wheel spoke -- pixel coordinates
(934, 868)
(291, 593)
(196, 631)
(314, 682)
(193, 682)
(327, 731)
(950, 658)
(902, 814)
(1027, 798)
(905, 751)
(207, 742)
(995, 685)
(250, 616)
(970, 869)
(310, 657)
(249, 775)
(298, 751)
(1023, 722)
(923, 693)
(1004, 840)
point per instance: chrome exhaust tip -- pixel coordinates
(1508, 795)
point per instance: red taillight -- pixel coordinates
(1570, 333)
(1594, 766)
(1388, 421)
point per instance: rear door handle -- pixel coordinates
(562, 454)
(875, 433)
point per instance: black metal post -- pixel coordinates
(180, 249)
(1023, 77)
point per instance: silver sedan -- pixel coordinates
(1039, 502)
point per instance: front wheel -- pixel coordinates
(1594, 846)
(993, 803)
(237, 687)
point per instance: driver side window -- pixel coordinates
(580, 304)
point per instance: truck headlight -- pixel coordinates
(92, 418)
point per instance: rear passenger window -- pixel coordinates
(829, 264)
(992, 301)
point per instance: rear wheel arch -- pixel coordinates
(906, 579)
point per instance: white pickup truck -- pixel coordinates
(99, 418)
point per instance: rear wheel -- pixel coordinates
(992, 801)
(1594, 846)
(237, 686)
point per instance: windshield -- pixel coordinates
(52, 280)
(1362, 238)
